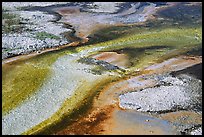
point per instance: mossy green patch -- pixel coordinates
(18, 84)
(11, 23)
(171, 36)
(196, 50)
(21, 79)
(6, 15)
(43, 35)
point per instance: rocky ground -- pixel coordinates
(182, 92)
(171, 94)
(29, 31)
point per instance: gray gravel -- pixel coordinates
(196, 131)
(108, 7)
(34, 22)
(183, 92)
(16, 5)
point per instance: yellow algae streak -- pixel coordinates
(174, 36)
(19, 82)
(169, 36)
(177, 40)
(82, 98)
(21, 79)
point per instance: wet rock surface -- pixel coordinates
(184, 121)
(136, 123)
(195, 71)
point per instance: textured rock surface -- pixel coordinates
(36, 22)
(174, 93)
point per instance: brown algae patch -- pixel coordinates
(120, 60)
(91, 123)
